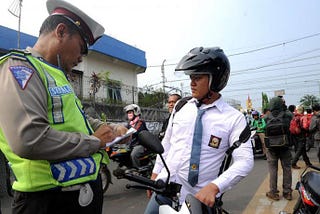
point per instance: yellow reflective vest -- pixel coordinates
(64, 113)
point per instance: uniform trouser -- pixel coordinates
(301, 150)
(57, 202)
(137, 152)
(285, 158)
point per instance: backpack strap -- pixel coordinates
(180, 104)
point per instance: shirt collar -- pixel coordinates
(219, 103)
(33, 52)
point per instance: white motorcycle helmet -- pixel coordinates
(133, 107)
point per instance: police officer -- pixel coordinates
(54, 150)
(209, 71)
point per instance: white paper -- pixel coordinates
(119, 138)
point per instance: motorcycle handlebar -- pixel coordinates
(158, 184)
(132, 175)
(314, 167)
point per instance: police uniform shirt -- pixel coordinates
(222, 125)
(23, 118)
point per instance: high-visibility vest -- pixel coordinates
(64, 113)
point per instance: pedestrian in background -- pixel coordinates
(315, 127)
(292, 111)
(300, 140)
(306, 120)
(281, 153)
(172, 100)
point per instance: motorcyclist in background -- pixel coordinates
(259, 125)
(134, 120)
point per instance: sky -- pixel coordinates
(272, 45)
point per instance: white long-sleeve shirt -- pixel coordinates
(221, 123)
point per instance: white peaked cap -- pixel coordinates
(89, 28)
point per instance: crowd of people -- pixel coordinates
(298, 144)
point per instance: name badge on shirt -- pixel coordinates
(214, 142)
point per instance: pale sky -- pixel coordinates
(168, 29)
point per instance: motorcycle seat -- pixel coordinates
(311, 182)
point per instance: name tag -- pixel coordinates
(60, 90)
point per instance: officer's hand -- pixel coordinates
(207, 194)
(120, 130)
(105, 134)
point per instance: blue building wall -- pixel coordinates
(105, 45)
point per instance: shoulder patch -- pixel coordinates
(22, 74)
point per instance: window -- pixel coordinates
(114, 90)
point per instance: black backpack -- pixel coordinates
(276, 132)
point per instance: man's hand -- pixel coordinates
(153, 177)
(105, 134)
(207, 194)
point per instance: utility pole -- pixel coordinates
(163, 80)
(15, 9)
(163, 75)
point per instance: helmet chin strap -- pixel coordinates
(204, 98)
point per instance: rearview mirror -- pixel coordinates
(150, 141)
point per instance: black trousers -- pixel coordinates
(301, 151)
(57, 202)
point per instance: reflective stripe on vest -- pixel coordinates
(72, 169)
(57, 113)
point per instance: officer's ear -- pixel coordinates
(60, 30)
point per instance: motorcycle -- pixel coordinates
(171, 189)
(256, 143)
(309, 192)
(120, 153)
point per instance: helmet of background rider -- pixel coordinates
(133, 107)
(255, 113)
(89, 29)
(211, 61)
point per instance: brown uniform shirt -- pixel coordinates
(24, 121)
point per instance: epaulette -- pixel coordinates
(21, 51)
(19, 54)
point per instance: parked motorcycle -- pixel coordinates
(309, 192)
(120, 153)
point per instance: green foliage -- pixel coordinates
(103, 117)
(152, 99)
(308, 100)
(265, 101)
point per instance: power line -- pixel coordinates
(257, 49)
(275, 45)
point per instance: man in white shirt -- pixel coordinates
(209, 72)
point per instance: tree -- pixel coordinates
(95, 84)
(265, 101)
(309, 100)
(152, 98)
(96, 80)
